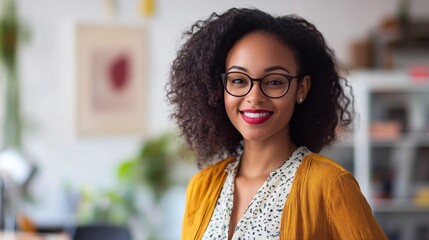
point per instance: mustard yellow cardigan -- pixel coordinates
(325, 202)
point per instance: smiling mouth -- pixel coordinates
(255, 116)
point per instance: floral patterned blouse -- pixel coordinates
(261, 219)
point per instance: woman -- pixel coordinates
(264, 94)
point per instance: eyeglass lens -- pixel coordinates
(239, 84)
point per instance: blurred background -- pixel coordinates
(86, 137)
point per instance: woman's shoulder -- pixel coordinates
(212, 172)
(321, 162)
(318, 175)
(321, 169)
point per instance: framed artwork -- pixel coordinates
(111, 80)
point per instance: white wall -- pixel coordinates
(48, 84)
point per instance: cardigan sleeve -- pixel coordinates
(349, 213)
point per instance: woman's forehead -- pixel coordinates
(259, 51)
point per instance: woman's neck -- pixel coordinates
(261, 157)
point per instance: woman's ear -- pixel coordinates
(303, 88)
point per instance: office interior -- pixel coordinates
(87, 155)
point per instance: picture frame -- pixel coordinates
(111, 80)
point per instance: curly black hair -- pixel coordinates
(195, 87)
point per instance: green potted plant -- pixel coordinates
(151, 172)
(155, 164)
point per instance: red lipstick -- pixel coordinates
(255, 116)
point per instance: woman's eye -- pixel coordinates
(274, 82)
(238, 81)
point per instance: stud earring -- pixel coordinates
(299, 100)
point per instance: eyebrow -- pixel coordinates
(268, 69)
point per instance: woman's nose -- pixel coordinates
(256, 95)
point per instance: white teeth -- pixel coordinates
(255, 115)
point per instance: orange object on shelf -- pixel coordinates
(388, 130)
(422, 197)
(25, 224)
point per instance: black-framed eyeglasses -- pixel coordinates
(273, 85)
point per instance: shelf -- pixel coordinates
(410, 89)
(381, 81)
(398, 206)
(420, 139)
(391, 149)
